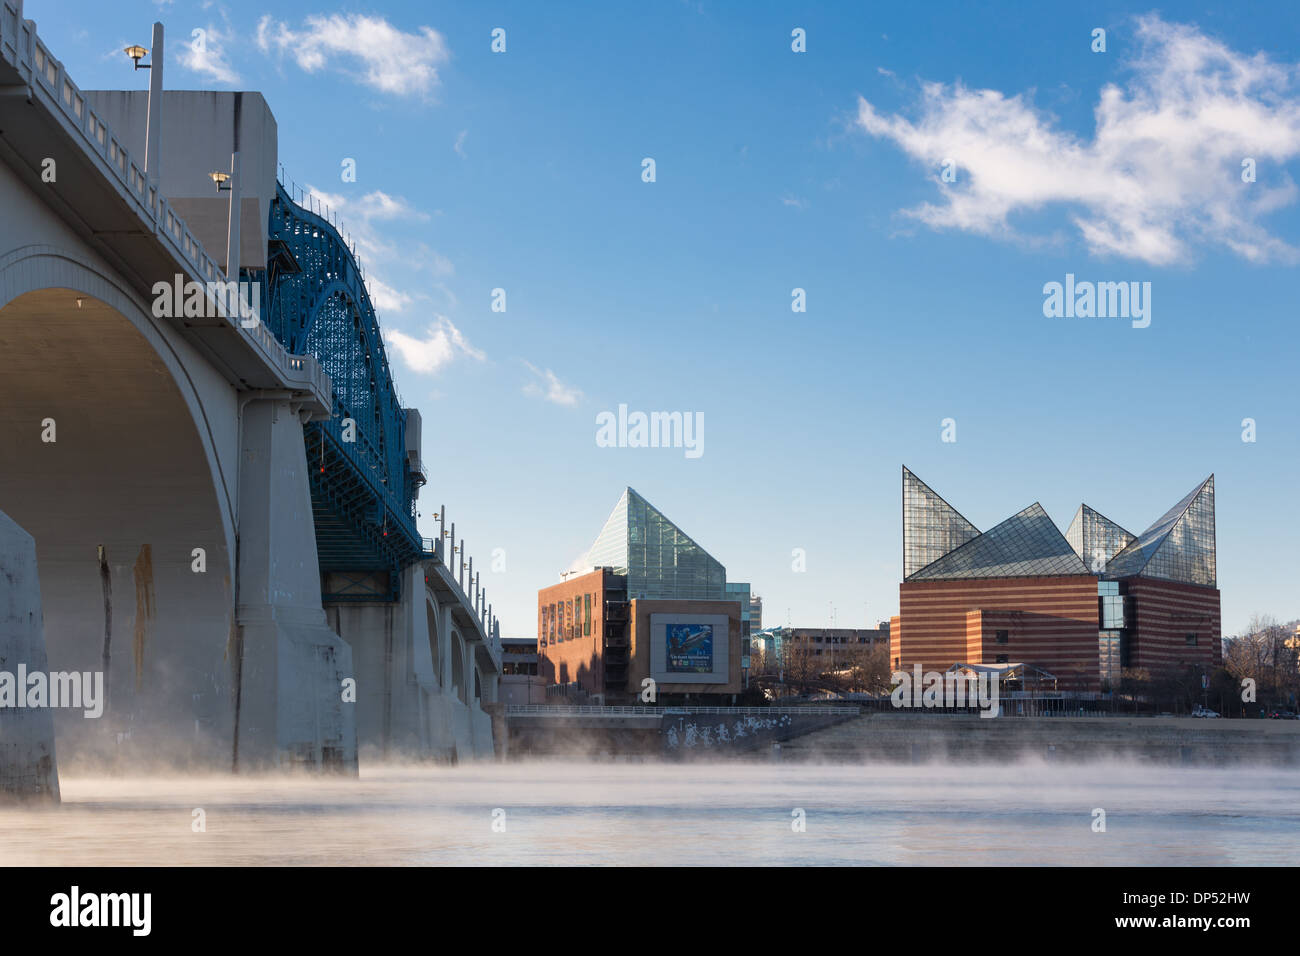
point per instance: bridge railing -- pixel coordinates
(436, 549)
(636, 710)
(24, 50)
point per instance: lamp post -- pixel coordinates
(153, 124)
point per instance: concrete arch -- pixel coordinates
(456, 647)
(136, 466)
(35, 268)
(435, 650)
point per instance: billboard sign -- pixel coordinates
(690, 648)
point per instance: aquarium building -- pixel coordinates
(1078, 608)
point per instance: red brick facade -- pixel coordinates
(1051, 623)
(1165, 614)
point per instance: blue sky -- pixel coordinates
(778, 170)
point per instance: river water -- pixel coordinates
(1037, 814)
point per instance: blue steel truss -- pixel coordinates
(314, 300)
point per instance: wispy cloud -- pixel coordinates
(441, 345)
(549, 387)
(1162, 172)
(368, 49)
(460, 143)
(205, 53)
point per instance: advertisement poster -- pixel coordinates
(690, 648)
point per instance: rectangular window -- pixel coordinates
(1190, 640)
(586, 621)
(1002, 636)
(568, 618)
(1002, 659)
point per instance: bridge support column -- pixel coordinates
(290, 708)
(394, 668)
(27, 765)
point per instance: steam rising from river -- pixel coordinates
(1031, 813)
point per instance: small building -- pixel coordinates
(521, 682)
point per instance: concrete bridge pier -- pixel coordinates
(415, 672)
(27, 764)
(290, 706)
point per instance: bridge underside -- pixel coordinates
(126, 471)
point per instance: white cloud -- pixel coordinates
(369, 49)
(1162, 172)
(460, 143)
(206, 54)
(384, 297)
(551, 388)
(795, 202)
(442, 344)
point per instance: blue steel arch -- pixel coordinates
(314, 300)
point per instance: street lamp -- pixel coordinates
(137, 53)
(222, 181)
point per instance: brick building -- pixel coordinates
(1081, 606)
(645, 602)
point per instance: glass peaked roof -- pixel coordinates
(1027, 544)
(1096, 539)
(609, 550)
(660, 560)
(931, 526)
(1180, 546)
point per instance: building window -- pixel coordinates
(586, 619)
(1002, 659)
(1001, 636)
(1190, 640)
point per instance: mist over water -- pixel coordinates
(1030, 813)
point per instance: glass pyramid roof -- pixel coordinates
(1096, 539)
(931, 526)
(660, 560)
(1180, 546)
(1027, 544)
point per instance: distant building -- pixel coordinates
(834, 645)
(755, 613)
(653, 604)
(521, 681)
(1081, 606)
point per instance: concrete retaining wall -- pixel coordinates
(922, 738)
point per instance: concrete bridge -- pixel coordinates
(201, 434)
